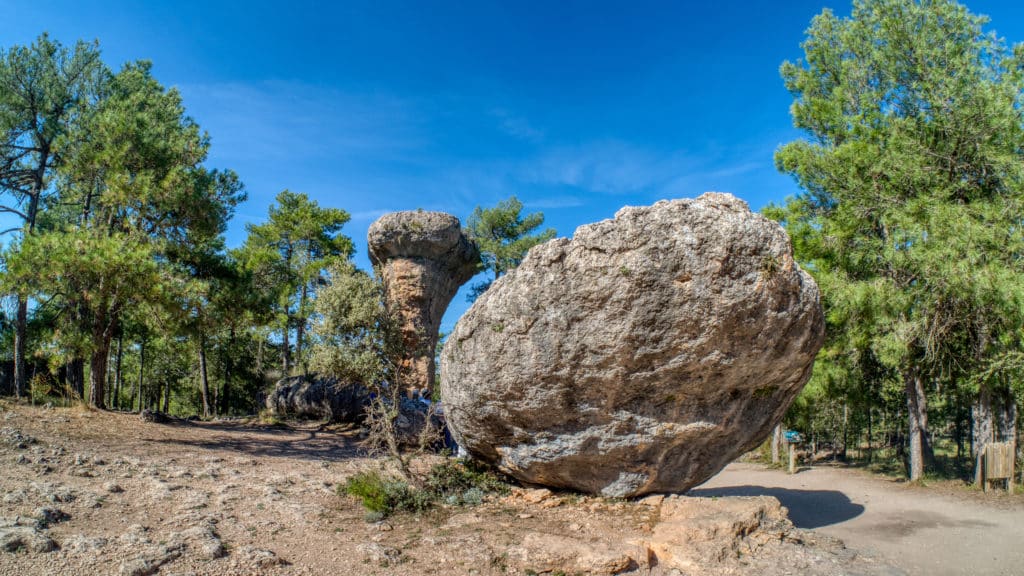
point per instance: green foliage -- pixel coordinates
(913, 172)
(352, 340)
(458, 477)
(504, 236)
(385, 495)
(289, 255)
(452, 482)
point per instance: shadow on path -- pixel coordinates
(807, 508)
(303, 444)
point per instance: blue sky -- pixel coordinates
(576, 107)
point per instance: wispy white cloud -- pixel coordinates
(370, 215)
(282, 121)
(554, 202)
(517, 126)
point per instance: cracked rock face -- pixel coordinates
(423, 258)
(640, 356)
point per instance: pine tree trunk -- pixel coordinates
(117, 371)
(142, 370)
(917, 418)
(776, 443)
(204, 380)
(98, 375)
(300, 329)
(982, 429)
(20, 330)
(76, 376)
(226, 390)
(21, 319)
(846, 429)
(286, 346)
(870, 445)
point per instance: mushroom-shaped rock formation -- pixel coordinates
(423, 258)
(640, 356)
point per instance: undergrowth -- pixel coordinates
(452, 482)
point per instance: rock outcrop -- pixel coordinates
(733, 536)
(640, 356)
(423, 259)
(319, 398)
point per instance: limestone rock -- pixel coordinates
(424, 257)
(695, 532)
(554, 553)
(641, 356)
(321, 398)
(28, 538)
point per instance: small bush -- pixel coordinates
(385, 495)
(459, 476)
(452, 482)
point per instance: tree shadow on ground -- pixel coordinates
(807, 508)
(278, 442)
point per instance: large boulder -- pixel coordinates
(423, 259)
(318, 398)
(640, 356)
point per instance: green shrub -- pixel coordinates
(385, 495)
(452, 482)
(459, 476)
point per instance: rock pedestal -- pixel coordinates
(640, 356)
(423, 258)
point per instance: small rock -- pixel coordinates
(135, 536)
(14, 497)
(113, 488)
(48, 515)
(575, 527)
(525, 516)
(17, 538)
(201, 539)
(654, 500)
(384, 527)
(53, 492)
(82, 543)
(380, 554)
(150, 563)
(536, 495)
(259, 557)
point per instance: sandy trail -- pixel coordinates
(926, 531)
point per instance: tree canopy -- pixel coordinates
(504, 236)
(913, 173)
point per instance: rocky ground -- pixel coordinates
(86, 492)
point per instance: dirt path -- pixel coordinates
(926, 531)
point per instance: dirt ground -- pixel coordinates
(87, 492)
(928, 531)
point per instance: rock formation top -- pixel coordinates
(421, 234)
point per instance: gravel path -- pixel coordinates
(925, 531)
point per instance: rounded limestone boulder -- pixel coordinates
(640, 356)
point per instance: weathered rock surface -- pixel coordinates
(734, 536)
(320, 398)
(424, 258)
(640, 356)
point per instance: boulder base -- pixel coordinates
(640, 356)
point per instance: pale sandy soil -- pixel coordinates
(124, 497)
(928, 531)
(135, 492)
